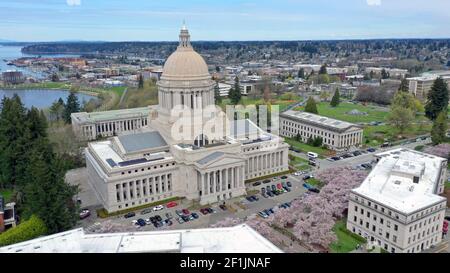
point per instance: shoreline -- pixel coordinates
(90, 93)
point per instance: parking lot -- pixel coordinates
(238, 207)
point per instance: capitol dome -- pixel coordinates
(185, 64)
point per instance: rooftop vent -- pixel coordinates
(411, 188)
(397, 182)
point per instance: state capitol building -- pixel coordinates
(205, 157)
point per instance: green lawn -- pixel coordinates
(374, 113)
(307, 148)
(447, 185)
(283, 104)
(7, 194)
(346, 241)
(316, 183)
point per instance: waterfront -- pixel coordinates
(42, 98)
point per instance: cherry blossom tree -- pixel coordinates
(442, 150)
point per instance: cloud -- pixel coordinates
(73, 2)
(373, 2)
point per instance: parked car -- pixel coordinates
(185, 211)
(158, 208)
(314, 190)
(171, 204)
(255, 198)
(284, 177)
(179, 213)
(307, 186)
(268, 188)
(287, 189)
(169, 215)
(141, 222)
(158, 224)
(289, 184)
(308, 176)
(447, 218)
(270, 193)
(274, 187)
(312, 155)
(264, 195)
(185, 218)
(168, 222)
(386, 144)
(266, 181)
(357, 153)
(211, 210)
(130, 214)
(223, 207)
(85, 213)
(263, 214)
(335, 158)
(204, 211)
(371, 150)
(249, 199)
(256, 184)
(263, 190)
(158, 218)
(146, 211)
(195, 215)
(312, 163)
(180, 220)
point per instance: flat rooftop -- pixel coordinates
(390, 183)
(92, 117)
(314, 119)
(238, 239)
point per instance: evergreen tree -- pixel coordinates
(439, 129)
(217, 97)
(141, 81)
(13, 140)
(384, 74)
(323, 70)
(235, 92)
(55, 77)
(46, 194)
(37, 123)
(311, 106)
(72, 106)
(57, 110)
(336, 98)
(437, 99)
(301, 73)
(403, 86)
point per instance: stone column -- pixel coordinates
(120, 192)
(202, 183)
(141, 188)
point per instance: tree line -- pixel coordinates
(29, 166)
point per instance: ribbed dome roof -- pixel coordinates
(185, 64)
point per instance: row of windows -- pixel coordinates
(421, 235)
(374, 217)
(149, 168)
(424, 222)
(427, 211)
(380, 230)
(290, 127)
(375, 207)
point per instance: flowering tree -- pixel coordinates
(227, 222)
(442, 150)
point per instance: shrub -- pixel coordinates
(27, 230)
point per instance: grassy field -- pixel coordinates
(316, 183)
(346, 241)
(374, 113)
(7, 194)
(307, 148)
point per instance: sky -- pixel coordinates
(225, 20)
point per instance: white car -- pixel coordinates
(134, 222)
(159, 207)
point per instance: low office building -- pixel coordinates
(90, 126)
(238, 239)
(336, 134)
(13, 77)
(398, 206)
(420, 86)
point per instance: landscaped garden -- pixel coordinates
(303, 147)
(346, 240)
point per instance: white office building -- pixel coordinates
(398, 206)
(336, 134)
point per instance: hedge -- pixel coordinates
(27, 230)
(102, 213)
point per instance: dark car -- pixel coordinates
(146, 211)
(386, 144)
(223, 207)
(263, 190)
(141, 222)
(158, 218)
(210, 210)
(447, 218)
(306, 177)
(371, 150)
(268, 188)
(168, 222)
(158, 224)
(314, 190)
(346, 156)
(204, 211)
(274, 187)
(284, 177)
(185, 218)
(366, 165)
(357, 153)
(335, 158)
(270, 193)
(276, 192)
(264, 195)
(255, 198)
(130, 214)
(185, 211)
(266, 211)
(169, 215)
(266, 181)
(289, 184)
(256, 184)
(153, 219)
(287, 189)
(249, 199)
(195, 215)
(312, 163)
(179, 213)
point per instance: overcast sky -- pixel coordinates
(160, 20)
